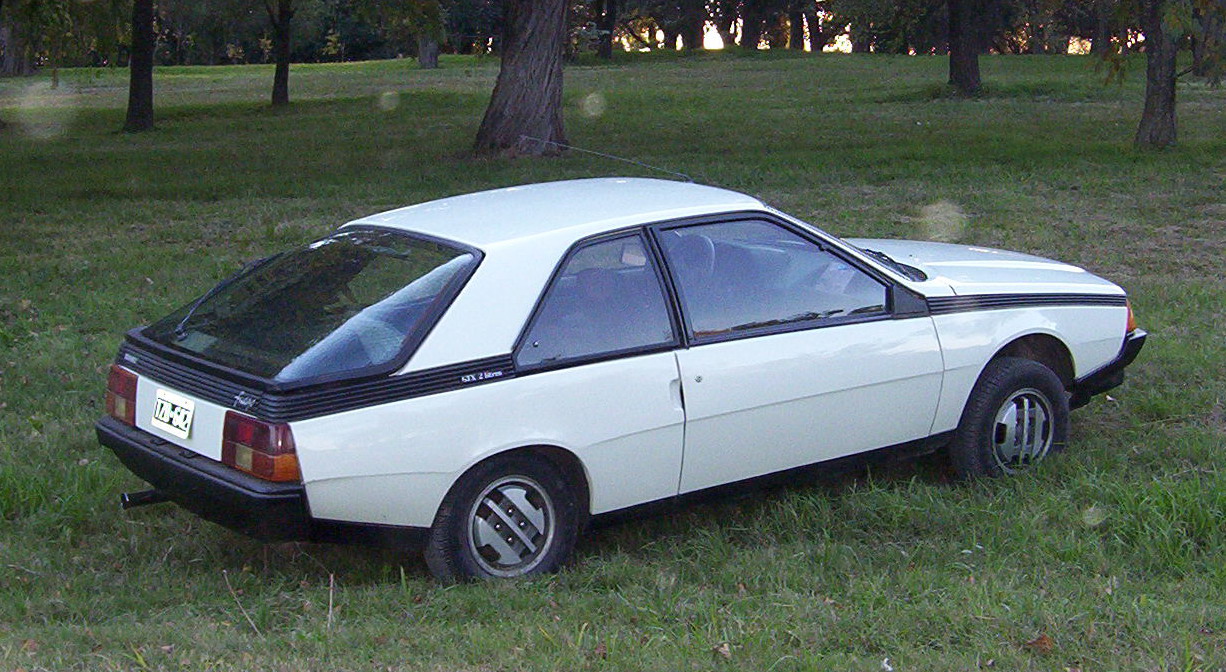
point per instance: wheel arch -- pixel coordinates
(565, 461)
(1045, 349)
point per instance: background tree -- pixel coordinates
(280, 18)
(964, 46)
(527, 98)
(1165, 24)
(140, 68)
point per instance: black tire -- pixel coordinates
(1017, 414)
(508, 517)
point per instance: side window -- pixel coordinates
(606, 300)
(751, 274)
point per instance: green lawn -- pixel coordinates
(1111, 557)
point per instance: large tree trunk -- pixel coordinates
(281, 20)
(606, 22)
(796, 29)
(963, 48)
(140, 68)
(694, 13)
(427, 52)
(1102, 27)
(527, 99)
(1157, 127)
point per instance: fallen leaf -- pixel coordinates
(600, 651)
(1042, 644)
(167, 648)
(724, 649)
(29, 646)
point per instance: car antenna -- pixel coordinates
(648, 166)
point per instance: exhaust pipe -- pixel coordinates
(131, 500)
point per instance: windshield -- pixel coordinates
(355, 300)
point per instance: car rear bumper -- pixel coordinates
(1111, 375)
(261, 509)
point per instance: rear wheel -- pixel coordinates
(1016, 416)
(508, 517)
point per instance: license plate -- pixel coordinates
(172, 413)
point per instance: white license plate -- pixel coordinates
(172, 413)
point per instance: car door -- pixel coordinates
(598, 373)
(795, 355)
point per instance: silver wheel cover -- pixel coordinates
(511, 526)
(1022, 431)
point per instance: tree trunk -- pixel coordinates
(670, 38)
(1207, 45)
(796, 29)
(751, 27)
(694, 14)
(527, 98)
(606, 23)
(427, 53)
(1157, 127)
(140, 69)
(281, 20)
(963, 48)
(1102, 27)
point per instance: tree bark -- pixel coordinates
(427, 53)
(963, 48)
(606, 23)
(140, 69)
(1207, 45)
(1102, 27)
(1157, 127)
(694, 20)
(796, 29)
(527, 98)
(281, 19)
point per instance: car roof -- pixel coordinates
(582, 207)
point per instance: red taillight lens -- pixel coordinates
(262, 449)
(1132, 319)
(121, 395)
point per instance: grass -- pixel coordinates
(1108, 558)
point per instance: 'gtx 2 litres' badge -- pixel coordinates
(478, 377)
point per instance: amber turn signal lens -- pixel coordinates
(1132, 319)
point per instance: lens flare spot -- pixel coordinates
(943, 221)
(43, 112)
(388, 101)
(1093, 516)
(593, 105)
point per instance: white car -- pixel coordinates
(484, 374)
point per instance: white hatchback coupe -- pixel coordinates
(484, 374)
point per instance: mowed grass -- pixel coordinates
(1110, 557)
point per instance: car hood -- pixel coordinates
(969, 269)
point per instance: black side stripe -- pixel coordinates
(943, 305)
(314, 402)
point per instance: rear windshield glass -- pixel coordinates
(349, 302)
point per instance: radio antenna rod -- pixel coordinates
(648, 166)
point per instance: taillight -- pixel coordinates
(262, 449)
(1132, 319)
(121, 395)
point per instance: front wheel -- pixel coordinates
(508, 517)
(1017, 415)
